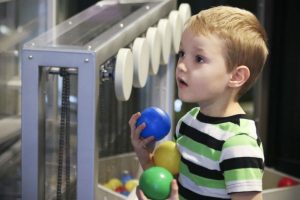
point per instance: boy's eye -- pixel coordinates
(199, 59)
(180, 54)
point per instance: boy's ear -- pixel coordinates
(239, 76)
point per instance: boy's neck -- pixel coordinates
(222, 110)
(224, 105)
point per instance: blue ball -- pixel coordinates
(125, 178)
(158, 123)
(125, 193)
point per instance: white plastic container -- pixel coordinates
(273, 192)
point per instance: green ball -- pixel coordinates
(155, 182)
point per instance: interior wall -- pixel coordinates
(284, 89)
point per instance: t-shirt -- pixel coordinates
(219, 156)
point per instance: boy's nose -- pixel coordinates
(181, 66)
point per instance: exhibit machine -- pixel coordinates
(81, 81)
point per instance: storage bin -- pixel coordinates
(273, 192)
(112, 167)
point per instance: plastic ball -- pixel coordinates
(286, 181)
(125, 177)
(120, 189)
(106, 185)
(113, 184)
(125, 193)
(155, 182)
(166, 155)
(158, 123)
(131, 184)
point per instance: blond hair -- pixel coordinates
(243, 37)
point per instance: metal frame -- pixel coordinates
(33, 131)
(87, 59)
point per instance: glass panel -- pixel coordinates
(85, 26)
(60, 100)
(97, 24)
(113, 121)
(19, 22)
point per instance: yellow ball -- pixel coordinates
(106, 185)
(167, 155)
(131, 184)
(113, 183)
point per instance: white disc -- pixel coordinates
(185, 11)
(165, 32)
(123, 74)
(140, 52)
(154, 44)
(177, 26)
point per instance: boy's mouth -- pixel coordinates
(181, 82)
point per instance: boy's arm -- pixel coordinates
(246, 196)
(242, 163)
(142, 147)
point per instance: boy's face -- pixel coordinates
(201, 72)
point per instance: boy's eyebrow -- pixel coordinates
(201, 50)
(197, 49)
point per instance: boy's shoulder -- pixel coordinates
(243, 135)
(240, 126)
(235, 126)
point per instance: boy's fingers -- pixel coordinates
(174, 186)
(145, 143)
(136, 133)
(140, 195)
(149, 142)
(133, 119)
(174, 190)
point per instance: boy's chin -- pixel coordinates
(185, 99)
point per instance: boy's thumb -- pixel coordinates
(174, 190)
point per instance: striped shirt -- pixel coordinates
(219, 156)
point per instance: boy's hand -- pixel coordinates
(173, 196)
(142, 146)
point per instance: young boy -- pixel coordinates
(222, 52)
